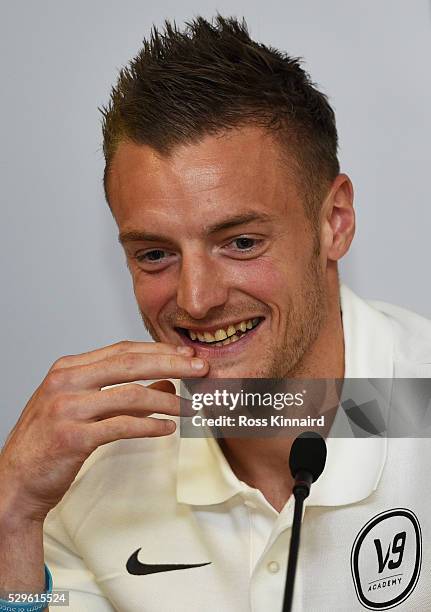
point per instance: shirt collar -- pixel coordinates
(368, 338)
(353, 468)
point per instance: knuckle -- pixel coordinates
(172, 362)
(56, 379)
(61, 362)
(123, 345)
(117, 427)
(135, 393)
(129, 361)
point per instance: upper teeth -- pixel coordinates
(222, 334)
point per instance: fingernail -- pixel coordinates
(171, 426)
(197, 364)
(185, 350)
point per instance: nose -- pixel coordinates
(201, 285)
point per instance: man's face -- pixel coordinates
(218, 243)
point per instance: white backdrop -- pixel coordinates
(65, 286)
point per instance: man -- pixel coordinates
(222, 175)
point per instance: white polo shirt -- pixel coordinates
(140, 509)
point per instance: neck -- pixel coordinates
(263, 463)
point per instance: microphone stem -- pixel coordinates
(300, 492)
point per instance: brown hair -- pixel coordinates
(211, 77)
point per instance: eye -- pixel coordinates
(154, 259)
(244, 243)
(245, 247)
(154, 255)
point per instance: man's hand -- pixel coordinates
(69, 416)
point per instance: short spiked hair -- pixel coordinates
(210, 77)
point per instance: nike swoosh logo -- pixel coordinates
(136, 568)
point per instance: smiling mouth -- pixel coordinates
(222, 336)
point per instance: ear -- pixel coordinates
(338, 219)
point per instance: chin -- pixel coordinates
(238, 371)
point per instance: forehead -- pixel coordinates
(221, 173)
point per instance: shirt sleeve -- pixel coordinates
(69, 572)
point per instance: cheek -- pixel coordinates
(265, 279)
(152, 293)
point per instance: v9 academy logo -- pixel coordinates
(386, 559)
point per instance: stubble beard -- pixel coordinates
(305, 319)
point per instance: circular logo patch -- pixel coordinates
(386, 559)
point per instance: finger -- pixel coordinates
(125, 346)
(125, 427)
(186, 406)
(128, 367)
(131, 399)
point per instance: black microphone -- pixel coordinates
(306, 461)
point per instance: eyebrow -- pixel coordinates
(240, 219)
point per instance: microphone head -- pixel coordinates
(308, 454)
